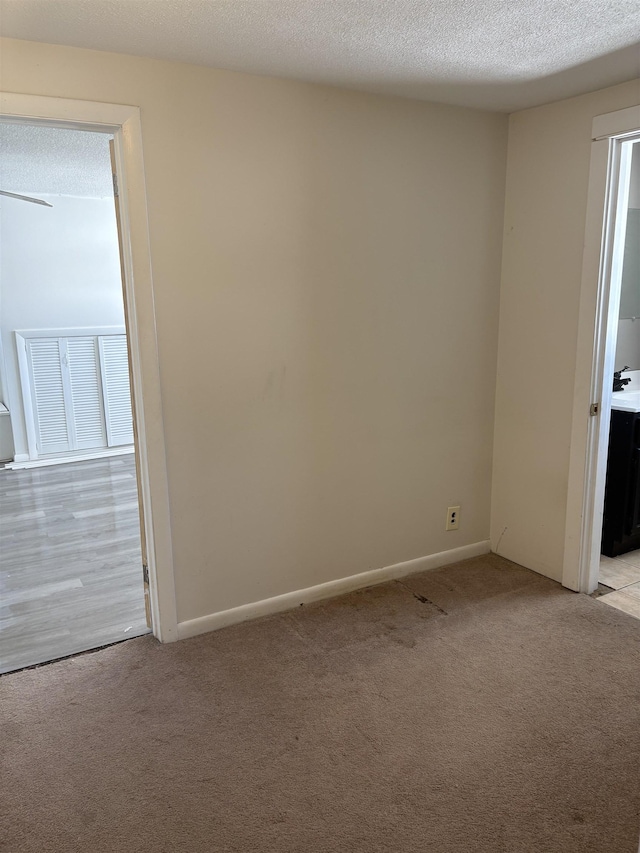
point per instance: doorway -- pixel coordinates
(603, 338)
(70, 535)
(123, 124)
(619, 569)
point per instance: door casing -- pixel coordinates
(124, 123)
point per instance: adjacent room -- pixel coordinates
(70, 527)
(368, 253)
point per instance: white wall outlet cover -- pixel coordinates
(453, 518)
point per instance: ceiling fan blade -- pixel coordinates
(26, 198)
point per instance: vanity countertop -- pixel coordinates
(629, 399)
(626, 401)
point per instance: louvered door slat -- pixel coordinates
(47, 386)
(117, 392)
(86, 393)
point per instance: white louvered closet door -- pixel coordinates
(117, 393)
(48, 395)
(80, 392)
(87, 413)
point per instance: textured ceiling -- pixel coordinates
(493, 54)
(54, 161)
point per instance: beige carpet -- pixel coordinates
(473, 708)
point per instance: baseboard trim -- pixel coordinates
(268, 606)
(19, 464)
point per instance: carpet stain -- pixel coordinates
(423, 599)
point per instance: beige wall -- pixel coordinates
(634, 187)
(628, 345)
(326, 269)
(545, 209)
(628, 342)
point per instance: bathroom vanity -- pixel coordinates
(621, 523)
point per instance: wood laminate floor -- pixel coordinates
(70, 562)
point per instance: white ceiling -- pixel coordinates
(54, 161)
(491, 54)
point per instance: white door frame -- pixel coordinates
(124, 123)
(612, 137)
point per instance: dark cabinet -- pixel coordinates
(621, 523)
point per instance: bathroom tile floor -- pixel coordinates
(619, 582)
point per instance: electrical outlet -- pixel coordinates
(453, 518)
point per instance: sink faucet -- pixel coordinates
(618, 381)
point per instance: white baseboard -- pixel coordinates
(20, 464)
(331, 589)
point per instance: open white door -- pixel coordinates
(613, 136)
(121, 384)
